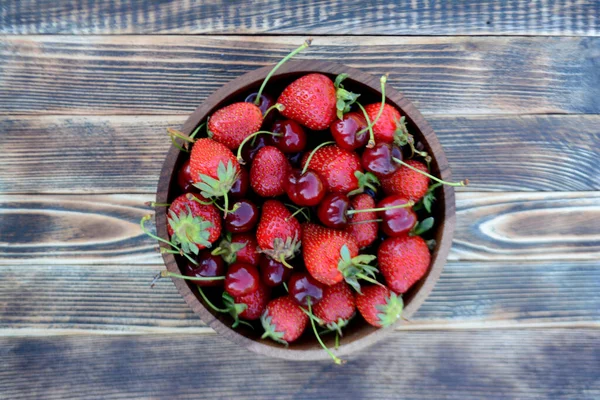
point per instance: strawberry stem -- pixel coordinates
(239, 151)
(371, 142)
(410, 203)
(368, 279)
(312, 322)
(284, 262)
(210, 304)
(383, 80)
(304, 45)
(277, 106)
(461, 183)
(312, 153)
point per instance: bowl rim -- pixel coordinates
(240, 85)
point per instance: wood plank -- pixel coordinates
(471, 17)
(57, 299)
(173, 74)
(124, 154)
(503, 364)
(103, 229)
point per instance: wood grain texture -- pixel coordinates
(174, 74)
(103, 229)
(124, 154)
(416, 17)
(74, 299)
(503, 364)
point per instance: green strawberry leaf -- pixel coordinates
(271, 330)
(391, 310)
(344, 98)
(189, 231)
(211, 187)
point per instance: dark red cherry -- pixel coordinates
(208, 266)
(295, 159)
(273, 273)
(396, 221)
(378, 159)
(304, 189)
(301, 285)
(243, 219)
(293, 139)
(241, 279)
(344, 131)
(240, 186)
(249, 150)
(184, 178)
(333, 211)
(265, 103)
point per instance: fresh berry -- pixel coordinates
(192, 225)
(304, 189)
(283, 320)
(396, 221)
(294, 159)
(208, 266)
(344, 131)
(243, 218)
(256, 302)
(403, 261)
(241, 279)
(333, 211)
(269, 170)
(278, 232)
(310, 100)
(301, 286)
(293, 137)
(230, 125)
(238, 248)
(185, 179)
(251, 148)
(336, 308)
(406, 182)
(363, 232)
(264, 103)
(273, 273)
(379, 306)
(379, 159)
(240, 186)
(387, 125)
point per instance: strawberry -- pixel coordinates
(278, 232)
(192, 225)
(336, 308)
(283, 320)
(214, 168)
(331, 256)
(387, 125)
(232, 124)
(255, 302)
(363, 232)
(406, 182)
(403, 261)
(241, 247)
(269, 171)
(379, 306)
(339, 169)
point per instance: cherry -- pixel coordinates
(184, 178)
(304, 189)
(380, 159)
(295, 158)
(333, 210)
(240, 186)
(301, 285)
(263, 104)
(208, 266)
(241, 279)
(272, 272)
(243, 218)
(257, 143)
(344, 131)
(396, 221)
(292, 139)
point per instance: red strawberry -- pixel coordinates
(387, 125)
(214, 168)
(241, 248)
(310, 100)
(278, 232)
(337, 306)
(192, 225)
(255, 302)
(403, 261)
(232, 124)
(340, 170)
(283, 320)
(406, 182)
(331, 256)
(379, 306)
(269, 171)
(364, 233)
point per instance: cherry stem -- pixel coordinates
(371, 142)
(239, 151)
(299, 208)
(193, 135)
(365, 221)
(277, 106)
(153, 204)
(312, 153)
(284, 262)
(304, 45)
(410, 203)
(169, 274)
(190, 196)
(210, 304)
(461, 183)
(337, 340)
(174, 142)
(298, 211)
(383, 80)
(153, 236)
(180, 135)
(312, 322)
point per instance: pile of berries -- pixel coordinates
(303, 210)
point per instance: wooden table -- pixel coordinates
(87, 89)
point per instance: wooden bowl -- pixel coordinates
(358, 334)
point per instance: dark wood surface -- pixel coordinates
(511, 89)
